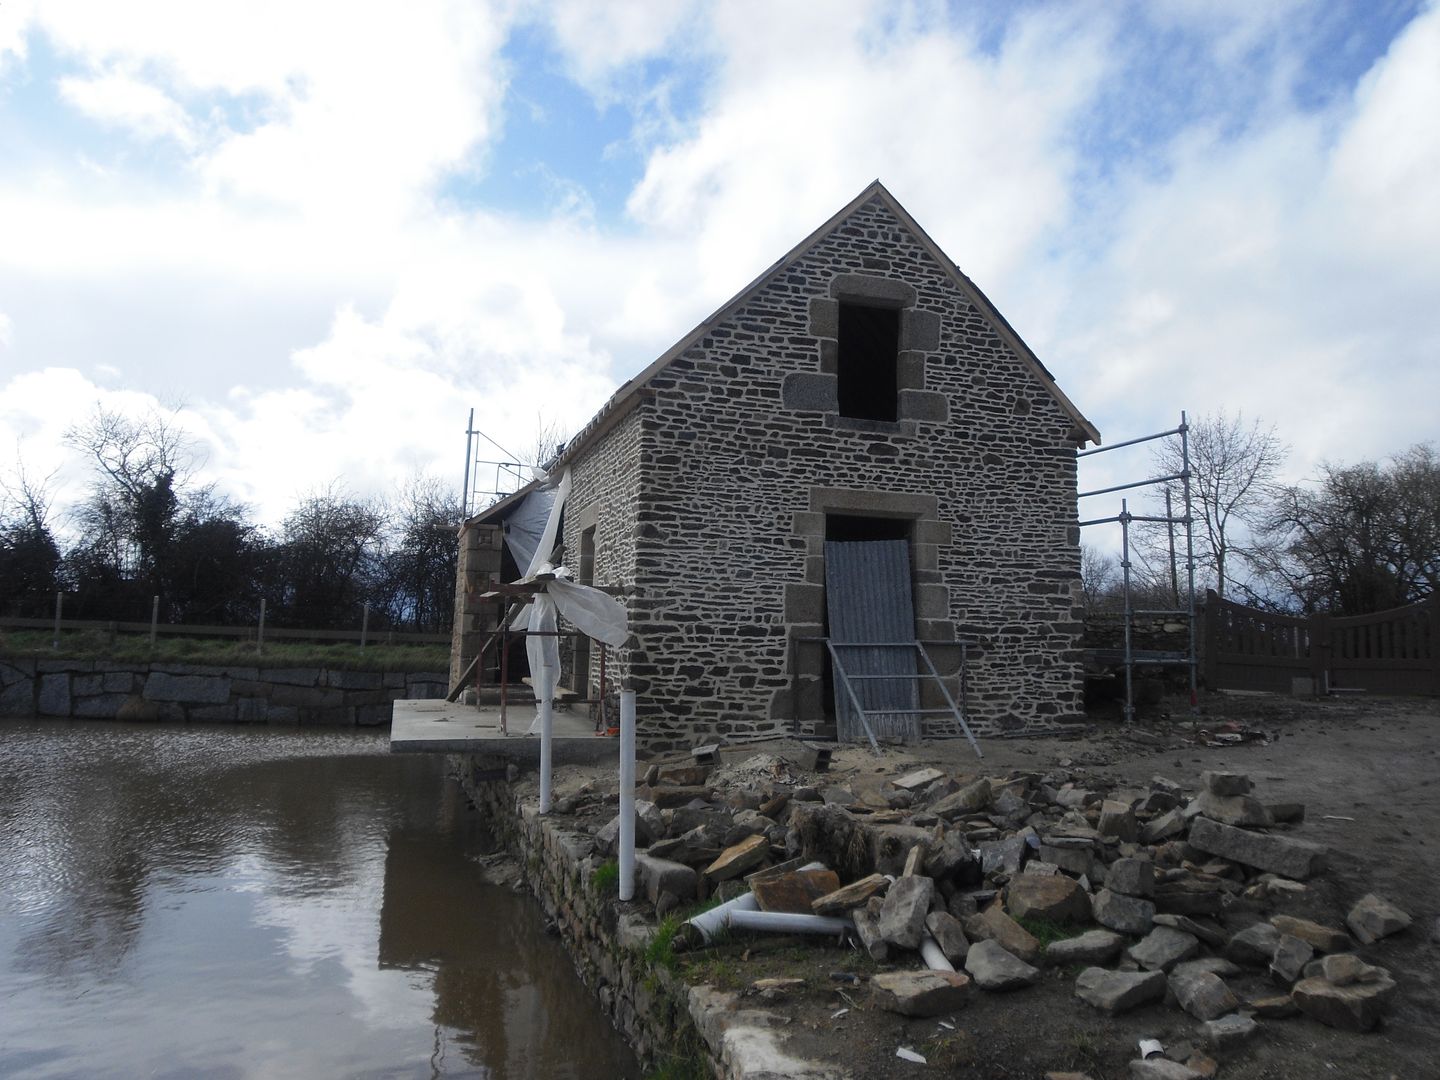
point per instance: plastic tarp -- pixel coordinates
(525, 525)
(593, 612)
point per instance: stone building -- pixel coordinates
(861, 391)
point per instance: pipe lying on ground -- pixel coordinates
(934, 958)
(742, 913)
(785, 922)
(703, 928)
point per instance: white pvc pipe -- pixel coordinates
(627, 794)
(933, 956)
(546, 718)
(711, 922)
(785, 922)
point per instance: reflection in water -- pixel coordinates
(179, 901)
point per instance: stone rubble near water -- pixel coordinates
(1148, 898)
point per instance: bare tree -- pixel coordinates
(1362, 538)
(29, 556)
(1233, 467)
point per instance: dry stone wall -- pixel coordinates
(744, 454)
(98, 690)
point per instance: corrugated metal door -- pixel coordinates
(868, 601)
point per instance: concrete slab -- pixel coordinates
(442, 727)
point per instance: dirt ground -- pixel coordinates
(1364, 768)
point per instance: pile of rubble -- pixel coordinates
(1142, 895)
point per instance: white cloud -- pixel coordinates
(121, 100)
(6, 330)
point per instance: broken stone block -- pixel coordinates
(992, 924)
(1128, 914)
(661, 875)
(1225, 783)
(1115, 992)
(1228, 1032)
(1118, 820)
(1215, 965)
(920, 778)
(1238, 810)
(1344, 969)
(1073, 860)
(1291, 956)
(738, 859)
(1214, 938)
(1254, 946)
(867, 929)
(1163, 948)
(968, 800)
(1094, 947)
(890, 846)
(1074, 798)
(1003, 856)
(850, 896)
(920, 993)
(902, 914)
(1203, 995)
(948, 934)
(1353, 1007)
(1190, 895)
(1133, 877)
(1373, 918)
(1054, 897)
(994, 968)
(953, 860)
(1163, 827)
(1324, 939)
(1272, 1008)
(1278, 854)
(795, 891)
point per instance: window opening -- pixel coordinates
(868, 359)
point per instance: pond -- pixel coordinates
(231, 902)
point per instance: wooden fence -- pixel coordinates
(243, 633)
(1389, 652)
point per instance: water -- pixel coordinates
(228, 903)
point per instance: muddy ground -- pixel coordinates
(1366, 770)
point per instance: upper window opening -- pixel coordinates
(868, 358)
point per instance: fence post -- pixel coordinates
(364, 625)
(1211, 638)
(59, 602)
(154, 619)
(260, 630)
(1317, 626)
(1434, 640)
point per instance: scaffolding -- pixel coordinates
(505, 476)
(1131, 657)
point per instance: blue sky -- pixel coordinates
(323, 233)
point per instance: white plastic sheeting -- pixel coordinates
(594, 613)
(525, 525)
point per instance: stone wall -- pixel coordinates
(661, 1016)
(99, 690)
(476, 567)
(745, 453)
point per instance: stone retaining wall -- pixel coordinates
(102, 690)
(660, 1015)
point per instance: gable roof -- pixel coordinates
(632, 391)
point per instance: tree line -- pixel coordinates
(146, 528)
(1353, 540)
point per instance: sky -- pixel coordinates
(318, 233)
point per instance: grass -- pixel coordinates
(1045, 930)
(606, 879)
(659, 953)
(687, 1062)
(135, 648)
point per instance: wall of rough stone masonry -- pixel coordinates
(478, 564)
(99, 690)
(605, 488)
(744, 452)
(649, 1006)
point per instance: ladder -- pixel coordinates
(928, 675)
